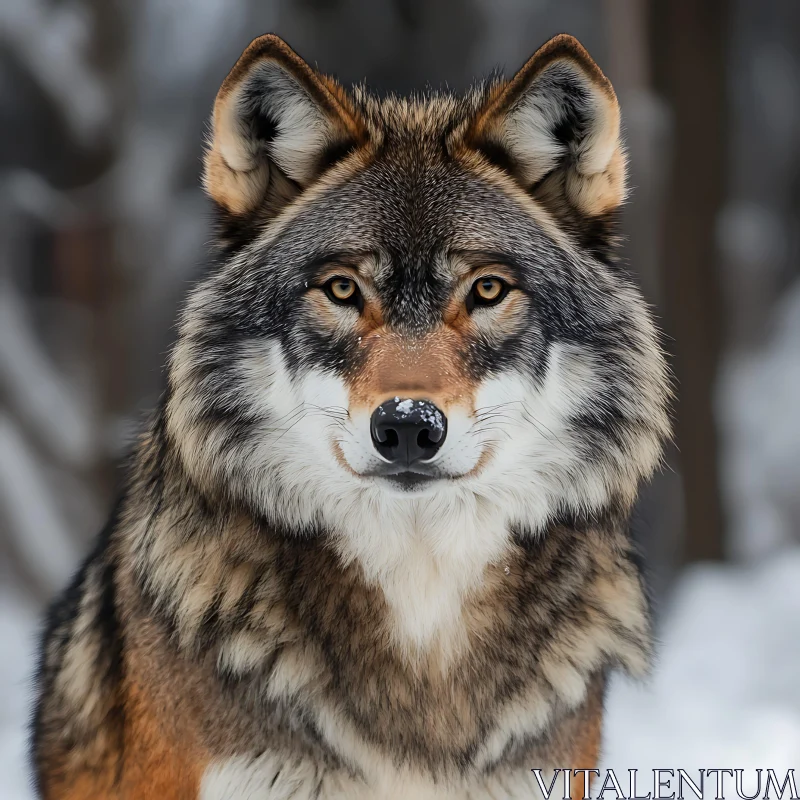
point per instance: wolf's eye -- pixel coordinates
(488, 291)
(343, 291)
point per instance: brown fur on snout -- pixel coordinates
(428, 367)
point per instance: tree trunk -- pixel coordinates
(689, 40)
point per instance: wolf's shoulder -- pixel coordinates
(80, 660)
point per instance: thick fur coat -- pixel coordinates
(276, 609)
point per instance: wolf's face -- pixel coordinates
(414, 308)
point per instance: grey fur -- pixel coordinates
(299, 629)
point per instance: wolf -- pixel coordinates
(373, 543)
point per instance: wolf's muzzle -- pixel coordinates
(406, 432)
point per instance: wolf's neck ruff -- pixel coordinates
(282, 619)
(375, 543)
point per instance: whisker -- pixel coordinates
(300, 418)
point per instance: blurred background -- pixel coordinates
(103, 110)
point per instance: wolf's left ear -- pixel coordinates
(277, 125)
(556, 127)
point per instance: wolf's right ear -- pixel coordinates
(277, 125)
(556, 127)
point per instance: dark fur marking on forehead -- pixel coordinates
(345, 258)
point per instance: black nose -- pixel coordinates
(407, 431)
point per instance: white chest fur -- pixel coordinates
(426, 556)
(270, 777)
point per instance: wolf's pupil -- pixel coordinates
(342, 290)
(488, 290)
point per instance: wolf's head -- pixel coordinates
(415, 310)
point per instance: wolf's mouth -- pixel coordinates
(407, 480)
(418, 470)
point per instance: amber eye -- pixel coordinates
(488, 291)
(343, 291)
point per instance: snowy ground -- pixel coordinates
(18, 624)
(725, 691)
